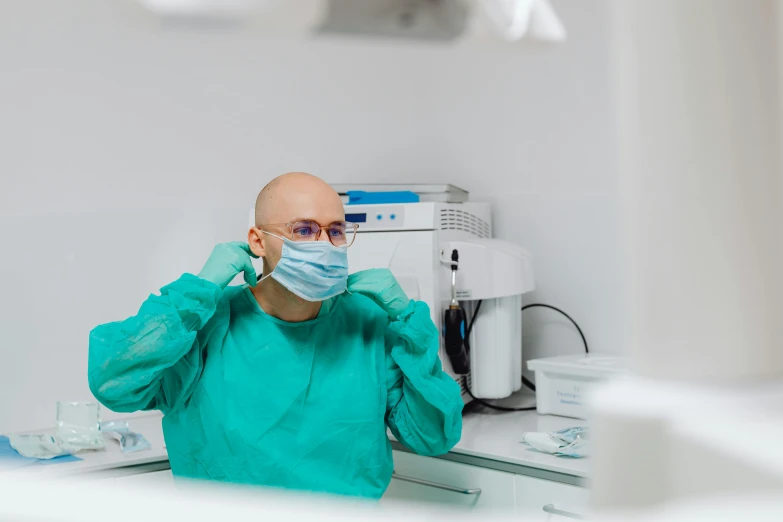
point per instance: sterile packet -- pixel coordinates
(130, 441)
(571, 442)
(571, 434)
(37, 446)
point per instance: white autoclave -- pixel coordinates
(415, 241)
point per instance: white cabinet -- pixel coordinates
(437, 481)
(544, 500)
(423, 479)
(155, 473)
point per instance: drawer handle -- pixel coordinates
(461, 491)
(550, 508)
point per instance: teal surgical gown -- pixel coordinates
(252, 399)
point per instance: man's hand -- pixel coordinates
(226, 261)
(380, 285)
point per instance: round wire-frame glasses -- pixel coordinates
(340, 233)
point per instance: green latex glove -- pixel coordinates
(226, 261)
(380, 285)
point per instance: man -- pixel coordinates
(290, 382)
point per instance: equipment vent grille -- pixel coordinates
(456, 219)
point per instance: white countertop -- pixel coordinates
(497, 435)
(111, 457)
(488, 435)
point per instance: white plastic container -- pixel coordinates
(563, 382)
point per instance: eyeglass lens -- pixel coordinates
(340, 233)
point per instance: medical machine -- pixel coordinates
(444, 255)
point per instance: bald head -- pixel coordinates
(295, 196)
(292, 197)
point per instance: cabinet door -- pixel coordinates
(544, 500)
(435, 481)
(156, 478)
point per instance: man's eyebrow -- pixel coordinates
(314, 221)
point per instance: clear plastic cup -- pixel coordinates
(79, 425)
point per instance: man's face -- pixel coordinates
(291, 200)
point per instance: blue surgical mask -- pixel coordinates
(313, 270)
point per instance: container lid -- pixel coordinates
(581, 364)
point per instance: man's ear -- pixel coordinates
(255, 238)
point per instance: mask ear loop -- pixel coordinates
(262, 277)
(346, 286)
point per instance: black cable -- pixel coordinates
(492, 406)
(587, 350)
(525, 380)
(470, 326)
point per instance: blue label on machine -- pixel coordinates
(361, 197)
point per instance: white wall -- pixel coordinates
(531, 128)
(130, 148)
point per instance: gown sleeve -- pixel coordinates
(154, 359)
(423, 404)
